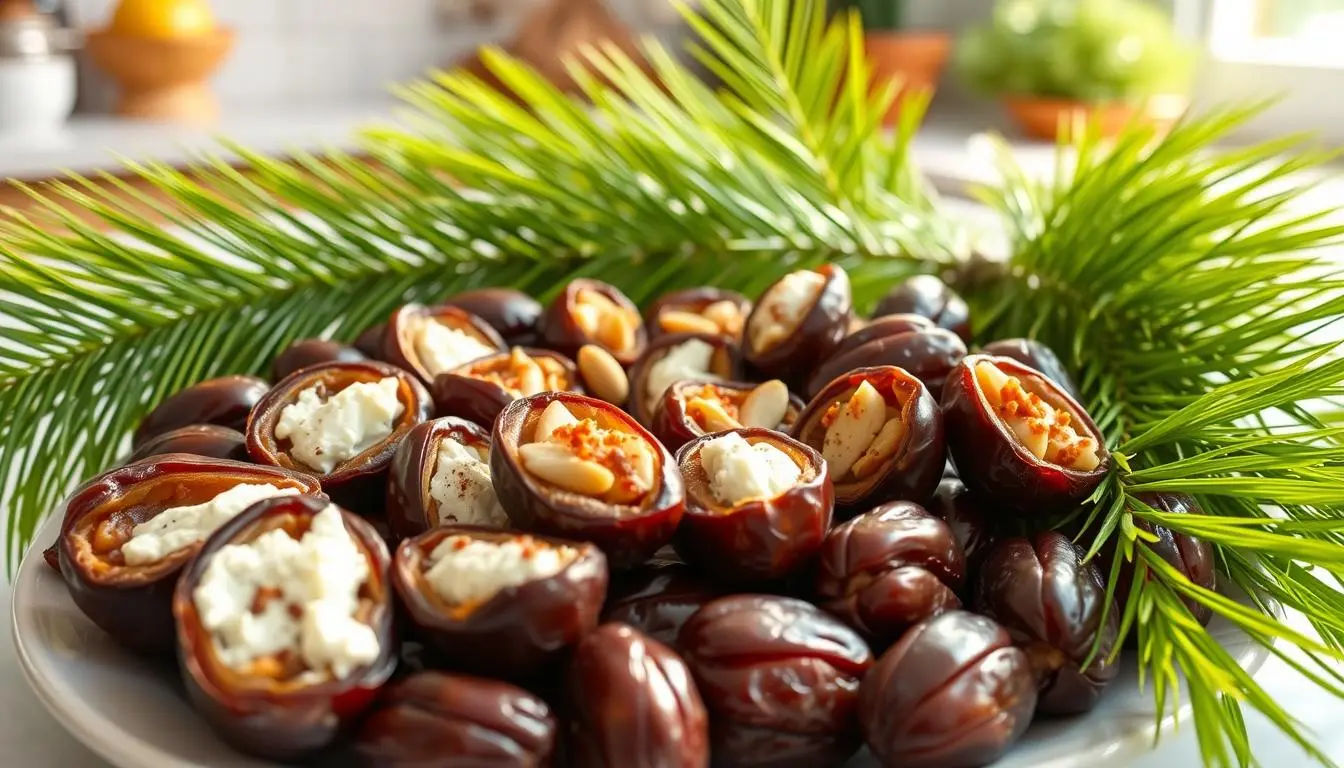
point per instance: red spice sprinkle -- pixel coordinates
(462, 543)
(832, 413)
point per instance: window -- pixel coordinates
(1288, 32)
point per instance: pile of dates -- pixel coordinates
(718, 531)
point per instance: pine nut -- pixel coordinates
(710, 415)
(602, 375)
(555, 416)
(675, 321)
(726, 316)
(854, 429)
(882, 448)
(765, 406)
(557, 466)
(616, 331)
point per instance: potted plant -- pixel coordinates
(913, 57)
(1111, 60)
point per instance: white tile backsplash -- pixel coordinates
(333, 50)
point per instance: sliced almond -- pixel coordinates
(555, 416)
(726, 316)
(531, 379)
(602, 375)
(557, 466)
(857, 424)
(881, 450)
(710, 415)
(631, 487)
(616, 331)
(676, 321)
(991, 381)
(765, 406)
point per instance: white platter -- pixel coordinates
(134, 713)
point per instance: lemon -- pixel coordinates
(163, 19)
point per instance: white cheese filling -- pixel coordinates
(178, 527)
(461, 486)
(463, 569)
(688, 360)
(323, 433)
(441, 348)
(739, 470)
(313, 588)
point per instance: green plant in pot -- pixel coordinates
(914, 58)
(1047, 59)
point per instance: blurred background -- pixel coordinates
(83, 80)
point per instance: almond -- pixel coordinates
(857, 424)
(765, 406)
(602, 375)
(557, 466)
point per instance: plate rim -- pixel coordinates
(101, 736)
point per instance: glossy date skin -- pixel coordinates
(1051, 603)
(266, 718)
(207, 440)
(306, 352)
(929, 297)
(780, 679)
(559, 330)
(133, 604)
(1189, 555)
(457, 393)
(1036, 355)
(814, 338)
(358, 483)
(993, 463)
(927, 353)
(225, 401)
(971, 521)
(757, 540)
(726, 364)
(914, 470)
(632, 702)
(456, 721)
(953, 693)
(694, 301)
(628, 534)
(516, 633)
(410, 508)
(675, 428)
(658, 599)
(512, 313)
(889, 569)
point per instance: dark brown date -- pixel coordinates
(456, 721)
(225, 402)
(403, 341)
(1020, 439)
(370, 341)
(594, 312)
(519, 629)
(971, 522)
(266, 711)
(690, 409)
(411, 506)
(927, 354)
(929, 297)
(699, 310)
(785, 339)
(1187, 554)
(780, 679)
(1051, 603)
(198, 440)
(648, 384)
(1034, 354)
(634, 517)
(889, 569)
(133, 603)
(632, 702)
(758, 539)
(479, 390)
(358, 483)
(658, 598)
(513, 314)
(903, 459)
(306, 352)
(953, 693)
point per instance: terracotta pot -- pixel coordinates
(915, 58)
(162, 79)
(1042, 118)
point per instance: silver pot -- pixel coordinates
(37, 74)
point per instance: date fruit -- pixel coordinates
(780, 679)
(1034, 354)
(632, 702)
(306, 352)
(456, 721)
(130, 596)
(479, 390)
(580, 468)
(691, 408)
(428, 341)
(224, 402)
(699, 310)
(431, 483)
(594, 312)
(971, 523)
(1187, 554)
(658, 598)
(889, 569)
(1019, 438)
(679, 357)
(1051, 603)
(207, 440)
(927, 353)
(513, 314)
(927, 296)
(954, 692)
(797, 321)
(881, 434)
(499, 603)
(766, 534)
